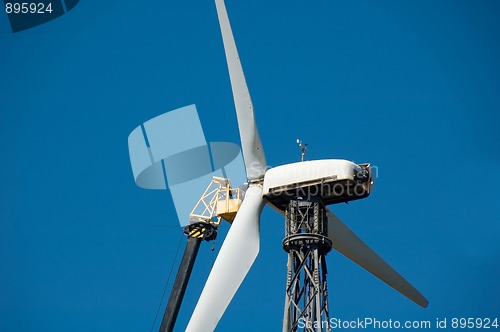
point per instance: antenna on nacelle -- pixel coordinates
(303, 148)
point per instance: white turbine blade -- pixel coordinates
(351, 246)
(235, 258)
(253, 153)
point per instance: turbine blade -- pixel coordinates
(253, 153)
(236, 256)
(351, 246)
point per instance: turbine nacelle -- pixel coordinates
(332, 180)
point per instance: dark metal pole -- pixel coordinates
(180, 284)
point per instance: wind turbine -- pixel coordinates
(300, 191)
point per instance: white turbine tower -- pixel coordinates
(300, 191)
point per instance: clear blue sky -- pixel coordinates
(412, 87)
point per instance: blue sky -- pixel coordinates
(412, 87)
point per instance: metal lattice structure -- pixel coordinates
(306, 241)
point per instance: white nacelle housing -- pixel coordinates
(334, 180)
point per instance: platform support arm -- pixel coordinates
(196, 234)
